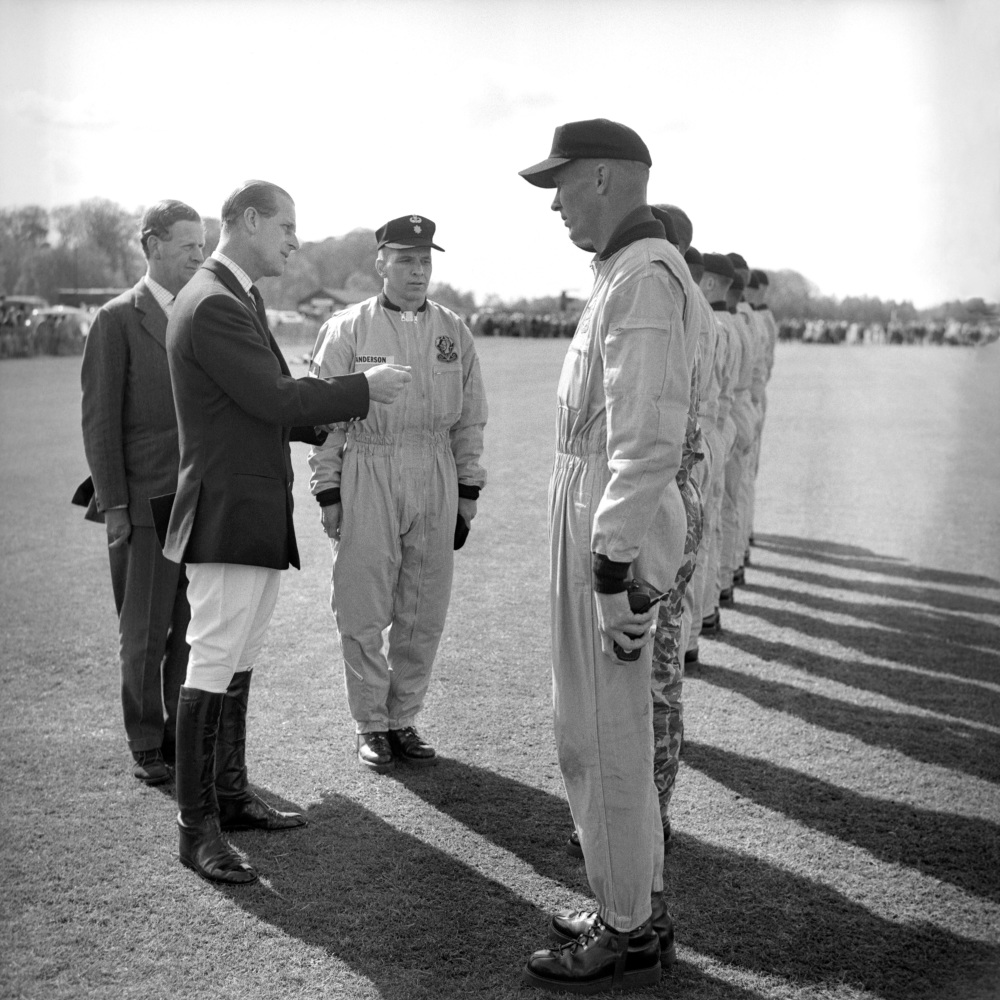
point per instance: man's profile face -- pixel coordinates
(275, 239)
(574, 200)
(175, 258)
(406, 274)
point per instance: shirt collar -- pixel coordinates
(639, 224)
(164, 299)
(241, 276)
(386, 303)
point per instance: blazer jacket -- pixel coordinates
(129, 425)
(236, 405)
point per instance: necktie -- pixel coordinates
(259, 305)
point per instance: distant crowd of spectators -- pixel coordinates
(26, 332)
(947, 332)
(503, 323)
(499, 323)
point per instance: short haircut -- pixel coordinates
(261, 195)
(158, 218)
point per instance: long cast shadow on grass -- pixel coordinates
(732, 906)
(938, 641)
(408, 917)
(956, 746)
(866, 561)
(964, 700)
(955, 849)
(933, 597)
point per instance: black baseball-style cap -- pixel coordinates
(718, 263)
(406, 232)
(594, 139)
(739, 261)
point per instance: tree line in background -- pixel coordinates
(95, 244)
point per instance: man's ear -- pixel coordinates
(250, 218)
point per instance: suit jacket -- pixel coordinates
(129, 426)
(236, 404)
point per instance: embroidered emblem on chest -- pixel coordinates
(446, 349)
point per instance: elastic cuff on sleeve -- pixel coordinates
(467, 492)
(327, 498)
(609, 577)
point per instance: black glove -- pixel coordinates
(461, 532)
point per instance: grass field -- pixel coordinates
(837, 816)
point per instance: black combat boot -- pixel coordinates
(601, 958)
(571, 924)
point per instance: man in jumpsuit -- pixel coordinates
(744, 418)
(615, 513)
(398, 491)
(768, 331)
(758, 381)
(718, 428)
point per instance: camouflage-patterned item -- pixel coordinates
(668, 660)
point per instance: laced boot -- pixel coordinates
(567, 926)
(600, 959)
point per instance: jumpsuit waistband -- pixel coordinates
(410, 440)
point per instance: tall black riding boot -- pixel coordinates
(239, 808)
(202, 847)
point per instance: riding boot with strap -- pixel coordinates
(202, 846)
(239, 808)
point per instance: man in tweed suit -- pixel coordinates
(130, 437)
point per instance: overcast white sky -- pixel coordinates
(856, 141)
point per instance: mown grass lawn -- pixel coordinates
(837, 817)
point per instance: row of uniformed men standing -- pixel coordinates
(737, 336)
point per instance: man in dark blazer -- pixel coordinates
(130, 438)
(231, 519)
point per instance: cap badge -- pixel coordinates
(417, 229)
(415, 218)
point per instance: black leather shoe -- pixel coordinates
(571, 924)
(253, 813)
(600, 959)
(407, 744)
(573, 848)
(150, 766)
(726, 598)
(691, 656)
(712, 624)
(204, 850)
(374, 751)
(739, 577)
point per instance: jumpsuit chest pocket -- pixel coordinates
(447, 389)
(573, 379)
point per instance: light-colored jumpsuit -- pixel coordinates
(622, 411)
(398, 471)
(769, 334)
(758, 384)
(743, 416)
(720, 432)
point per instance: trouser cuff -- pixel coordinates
(626, 921)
